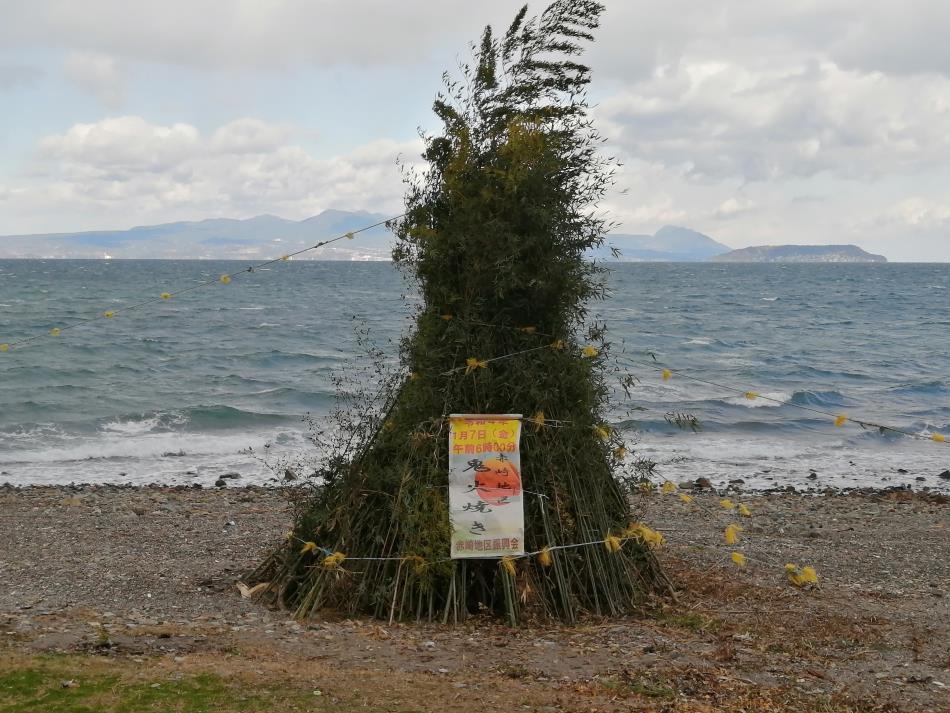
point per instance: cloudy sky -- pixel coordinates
(754, 121)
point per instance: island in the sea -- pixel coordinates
(799, 253)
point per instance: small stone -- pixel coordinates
(945, 475)
(220, 482)
(231, 476)
(703, 483)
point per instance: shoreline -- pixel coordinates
(153, 571)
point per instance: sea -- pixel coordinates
(222, 379)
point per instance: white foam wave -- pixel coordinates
(701, 341)
(764, 462)
(769, 400)
(769, 299)
(132, 428)
(141, 447)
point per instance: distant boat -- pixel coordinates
(106, 256)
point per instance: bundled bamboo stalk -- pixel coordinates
(495, 234)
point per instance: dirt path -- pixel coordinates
(146, 578)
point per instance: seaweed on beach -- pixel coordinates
(496, 234)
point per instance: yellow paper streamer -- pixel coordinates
(545, 559)
(418, 563)
(727, 503)
(801, 577)
(666, 374)
(334, 561)
(166, 295)
(446, 317)
(558, 344)
(668, 487)
(471, 364)
(590, 352)
(55, 331)
(602, 432)
(738, 558)
(308, 547)
(620, 452)
(612, 543)
(538, 420)
(744, 510)
(686, 498)
(4, 347)
(224, 279)
(508, 564)
(641, 532)
(751, 395)
(109, 314)
(528, 330)
(939, 438)
(731, 534)
(841, 420)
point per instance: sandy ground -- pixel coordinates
(146, 576)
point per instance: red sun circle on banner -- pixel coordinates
(499, 483)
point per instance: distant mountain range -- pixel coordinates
(668, 244)
(267, 236)
(800, 253)
(256, 238)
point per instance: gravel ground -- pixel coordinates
(149, 574)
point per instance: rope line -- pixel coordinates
(404, 558)
(840, 419)
(225, 278)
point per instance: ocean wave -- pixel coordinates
(138, 448)
(929, 388)
(768, 400)
(195, 418)
(818, 398)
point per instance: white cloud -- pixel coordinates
(248, 34)
(244, 136)
(726, 114)
(126, 170)
(716, 120)
(98, 74)
(733, 206)
(917, 212)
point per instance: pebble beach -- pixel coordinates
(150, 575)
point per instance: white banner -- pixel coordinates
(485, 496)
